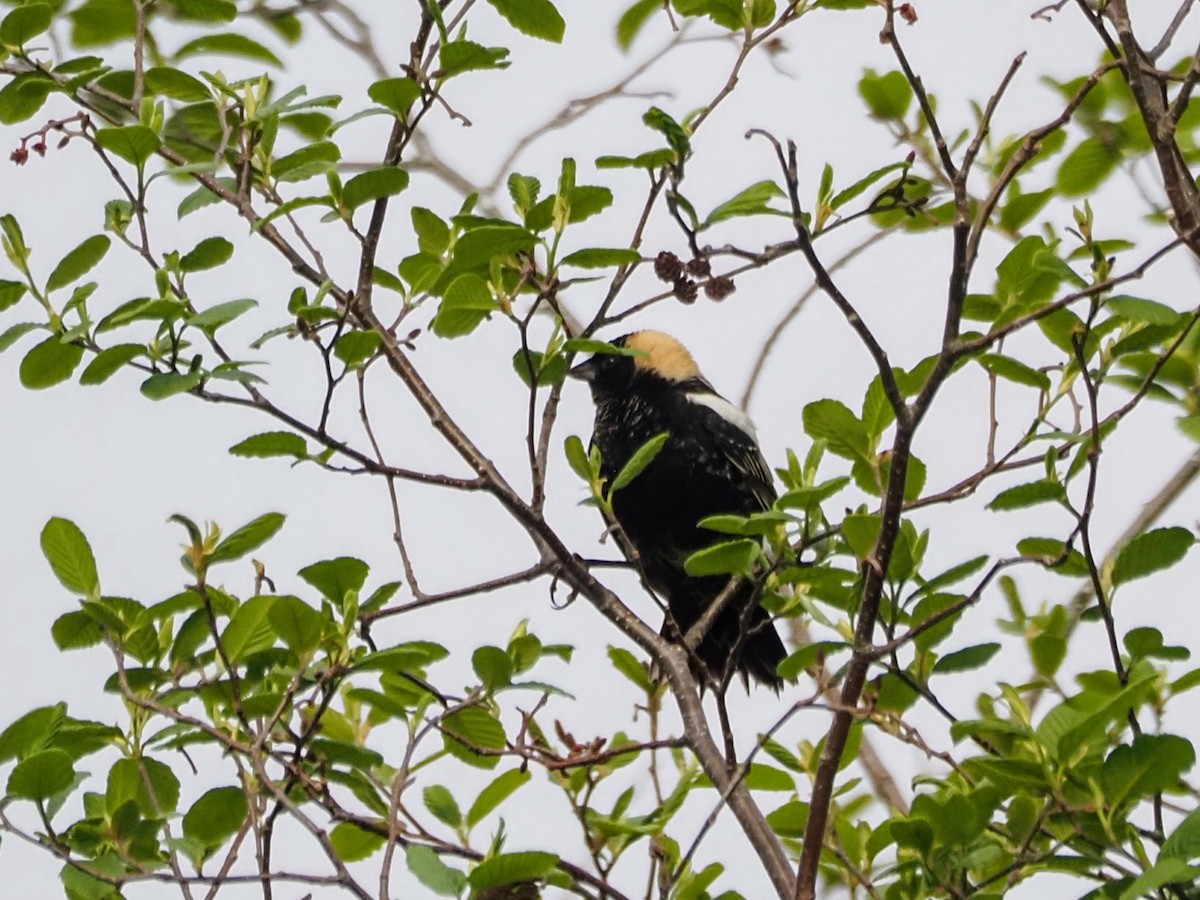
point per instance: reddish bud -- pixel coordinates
(699, 267)
(908, 13)
(40, 148)
(19, 156)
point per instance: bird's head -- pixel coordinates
(654, 356)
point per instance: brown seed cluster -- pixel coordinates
(686, 279)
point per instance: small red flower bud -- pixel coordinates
(19, 156)
(699, 267)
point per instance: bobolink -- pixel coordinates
(710, 465)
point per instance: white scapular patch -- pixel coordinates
(726, 411)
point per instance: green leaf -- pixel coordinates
(164, 81)
(1184, 842)
(162, 385)
(433, 234)
(753, 201)
(512, 868)
(354, 348)
(1015, 371)
(1136, 309)
(887, 96)
(633, 19)
(600, 257)
(249, 630)
(461, 56)
(309, 160)
(1152, 764)
(205, 10)
(373, 185)
(1151, 552)
(536, 18)
(216, 816)
(1148, 642)
(208, 254)
(1050, 552)
(834, 423)
(467, 302)
(133, 143)
(108, 361)
(23, 24)
(626, 663)
(228, 45)
(41, 775)
(726, 558)
(479, 246)
(10, 293)
(472, 729)
(1025, 495)
(272, 443)
(966, 659)
(354, 844)
(31, 732)
(214, 317)
(248, 538)
(149, 783)
(395, 94)
(336, 578)
(440, 802)
(23, 96)
(70, 556)
(76, 631)
(1086, 167)
(298, 624)
(490, 798)
(49, 363)
(434, 874)
(78, 262)
(861, 532)
(1163, 872)
(577, 457)
(493, 666)
(843, 197)
(642, 457)
(533, 363)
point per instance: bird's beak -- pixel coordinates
(585, 371)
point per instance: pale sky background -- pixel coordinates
(119, 465)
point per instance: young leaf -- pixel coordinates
(248, 538)
(536, 18)
(966, 659)
(271, 443)
(49, 363)
(216, 816)
(642, 457)
(352, 843)
(496, 793)
(753, 201)
(70, 556)
(434, 874)
(1150, 552)
(78, 262)
(727, 558)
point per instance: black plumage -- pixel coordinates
(711, 464)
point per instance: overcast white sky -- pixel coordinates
(119, 465)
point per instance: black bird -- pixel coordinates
(711, 464)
